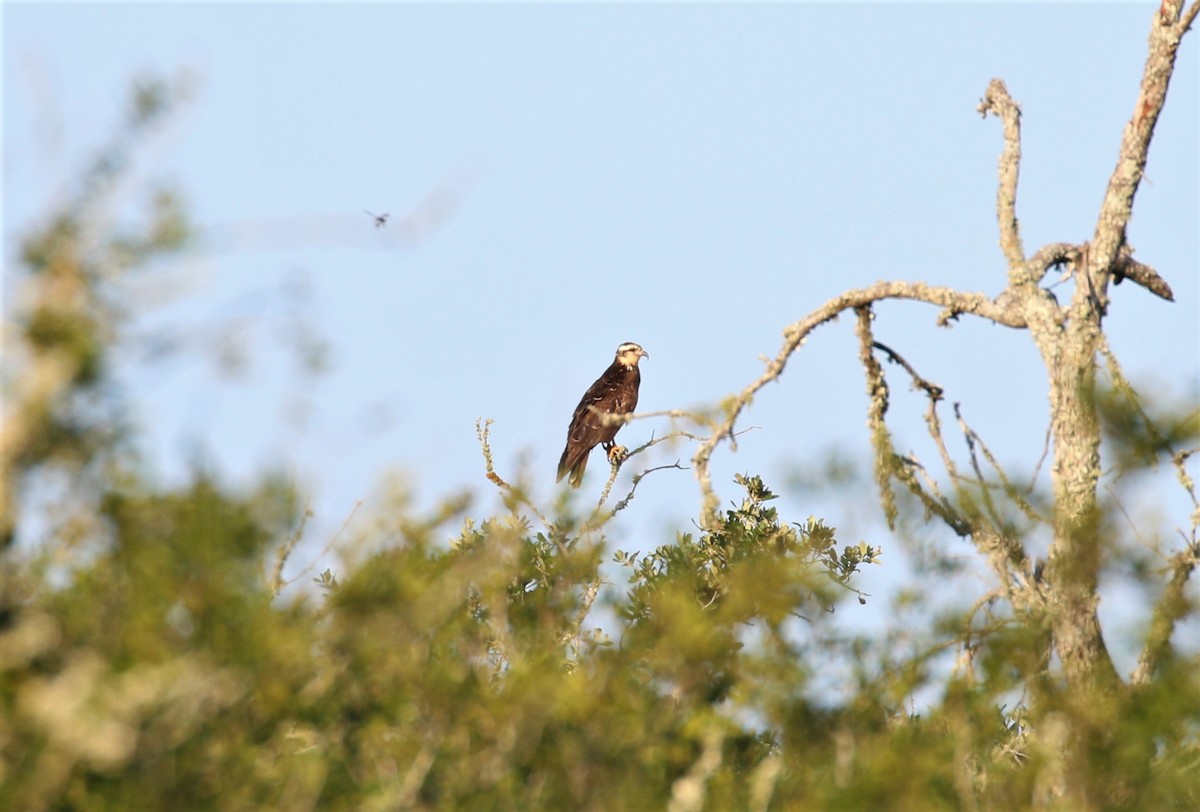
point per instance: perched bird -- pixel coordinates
(614, 393)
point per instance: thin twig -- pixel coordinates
(1171, 607)
(482, 430)
(483, 433)
(281, 555)
(944, 509)
(1010, 490)
(878, 392)
(979, 482)
(1051, 256)
(621, 505)
(611, 419)
(328, 545)
(932, 389)
(1037, 469)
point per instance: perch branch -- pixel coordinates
(610, 419)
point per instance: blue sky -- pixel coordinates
(690, 177)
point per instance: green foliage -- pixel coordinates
(748, 568)
(1138, 440)
(448, 675)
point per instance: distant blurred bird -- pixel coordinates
(380, 219)
(614, 393)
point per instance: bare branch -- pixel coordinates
(877, 388)
(1188, 18)
(984, 493)
(1005, 554)
(1180, 458)
(614, 465)
(324, 550)
(616, 462)
(600, 516)
(935, 504)
(610, 419)
(932, 389)
(482, 433)
(276, 581)
(1126, 267)
(653, 441)
(624, 503)
(1037, 469)
(1172, 606)
(1010, 490)
(934, 422)
(955, 302)
(1166, 31)
(1051, 256)
(997, 102)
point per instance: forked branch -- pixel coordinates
(953, 302)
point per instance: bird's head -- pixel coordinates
(629, 354)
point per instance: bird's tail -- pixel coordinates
(576, 470)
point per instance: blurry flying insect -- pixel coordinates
(380, 219)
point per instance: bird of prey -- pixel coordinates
(614, 393)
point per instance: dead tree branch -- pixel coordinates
(1166, 31)
(997, 102)
(1126, 267)
(1068, 337)
(933, 390)
(1172, 606)
(986, 529)
(886, 457)
(1187, 18)
(953, 301)
(1051, 256)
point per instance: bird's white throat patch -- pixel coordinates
(629, 354)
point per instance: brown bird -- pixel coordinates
(614, 393)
